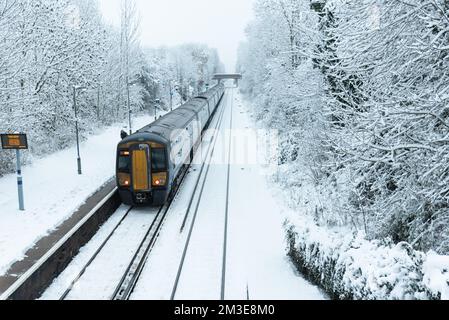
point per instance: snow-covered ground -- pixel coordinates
(256, 262)
(256, 246)
(54, 191)
(158, 278)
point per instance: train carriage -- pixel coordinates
(151, 161)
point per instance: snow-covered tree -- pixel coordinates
(47, 48)
(359, 91)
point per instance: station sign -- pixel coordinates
(14, 141)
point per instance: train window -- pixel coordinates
(124, 164)
(158, 159)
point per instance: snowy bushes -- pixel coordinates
(436, 274)
(350, 267)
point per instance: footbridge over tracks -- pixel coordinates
(228, 76)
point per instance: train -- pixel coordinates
(151, 162)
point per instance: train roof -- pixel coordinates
(195, 104)
(178, 118)
(208, 94)
(175, 120)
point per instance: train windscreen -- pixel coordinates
(124, 164)
(158, 159)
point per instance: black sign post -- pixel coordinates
(16, 142)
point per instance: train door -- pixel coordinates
(195, 135)
(208, 106)
(140, 169)
(211, 106)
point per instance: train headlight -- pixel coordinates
(124, 180)
(159, 179)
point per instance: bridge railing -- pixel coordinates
(228, 76)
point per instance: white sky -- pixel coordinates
(219, 23)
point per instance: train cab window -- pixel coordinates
(158, 159)
(124, 163)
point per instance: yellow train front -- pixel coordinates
(152, 161)
(143, 170)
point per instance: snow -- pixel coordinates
(256, 261)
(162, 267)
(436, 274)
(363, 130)
(349, 266)
(201, 275)
(103, 275)
(257, 258)
(54, 191)
(346, 263)
(65, 279)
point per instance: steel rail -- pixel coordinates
(23, 283)
(228, 190)
(130, 277)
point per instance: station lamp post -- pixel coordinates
(156, 107)
(128, 102)
(75, 89)
(171, 94)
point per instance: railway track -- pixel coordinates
(32, 282)
(128, 281)
(94, 256)
(228, 184)
(204, 178)
(132, 274)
